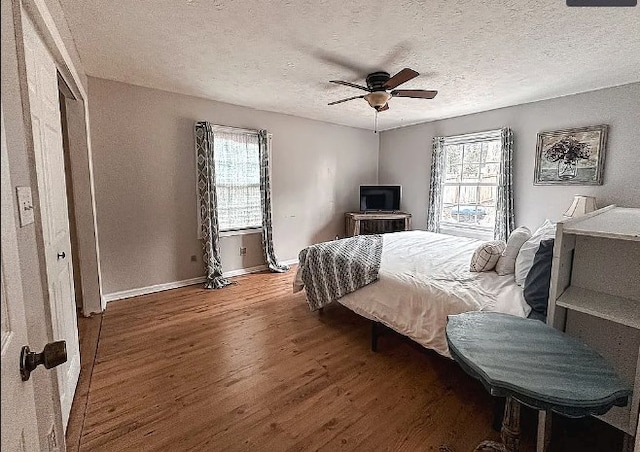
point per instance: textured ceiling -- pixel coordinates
(279, 55)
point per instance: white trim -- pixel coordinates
(245, 271)
(41, 16)
(38, 12)
(290, 262)
(245, 231)
(152, 289)
(177, 284)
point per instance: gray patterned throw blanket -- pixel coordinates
(330, 270)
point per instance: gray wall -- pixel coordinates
(144, 167)
(405, 153)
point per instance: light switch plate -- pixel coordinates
(25, 206)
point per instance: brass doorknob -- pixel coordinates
(54, 354)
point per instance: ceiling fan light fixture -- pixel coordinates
(381, 87)
(377, 98)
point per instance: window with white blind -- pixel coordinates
(470, 184)
(237, 167)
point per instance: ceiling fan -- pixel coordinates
(379, 84)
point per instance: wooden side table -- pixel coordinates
(532, 363)
(357, 223)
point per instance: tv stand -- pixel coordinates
(357, 223)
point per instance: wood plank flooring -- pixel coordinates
(249, 367)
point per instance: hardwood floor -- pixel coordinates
(249, 367)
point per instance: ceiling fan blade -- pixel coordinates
(341, 61)
(401, 77)
(383, 108)
(340, 82)
(415, 93)
(344, 100)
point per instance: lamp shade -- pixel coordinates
(581, 205)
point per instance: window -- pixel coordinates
(237, 161)
(237, 168)
(470, 184)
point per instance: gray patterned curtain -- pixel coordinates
(208, 209)
(265, 194)
(435, 188)
(504, 207)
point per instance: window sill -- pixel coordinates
(240, 232)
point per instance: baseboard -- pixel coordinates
(290, 262)
(152, 289)
(177, 284)
(245, 271)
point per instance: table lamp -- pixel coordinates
(581, 205)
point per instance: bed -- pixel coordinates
(422, 278)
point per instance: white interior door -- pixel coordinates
(42, 81)
(19, 427)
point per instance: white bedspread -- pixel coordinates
(423, 278)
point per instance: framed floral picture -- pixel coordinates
(571, 156)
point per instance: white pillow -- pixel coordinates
(529, 248)
(507, 263)
(486, 255)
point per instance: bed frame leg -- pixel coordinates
(375, 331)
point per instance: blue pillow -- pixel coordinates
(536, 284)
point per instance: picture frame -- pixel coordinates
(571, 156)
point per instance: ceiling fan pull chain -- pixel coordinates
(375, 123)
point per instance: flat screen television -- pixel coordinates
(380, 198)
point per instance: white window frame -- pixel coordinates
(228, 232)
(468, 230)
